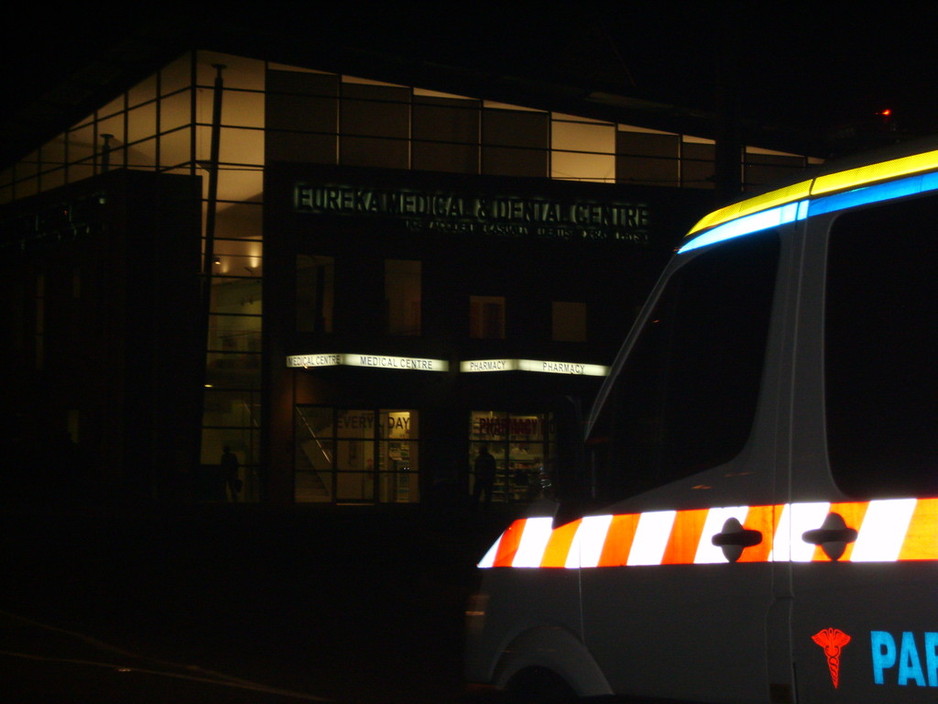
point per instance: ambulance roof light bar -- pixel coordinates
(874, 183)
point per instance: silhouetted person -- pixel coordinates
(485, 476)
(229, 472)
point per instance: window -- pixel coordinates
(375, 125)
(402, 296)
(347, 455)
(568, 321)
(881, 313)
(302, 116)
(697, 163)
(523, 446)
(582, 150)
(446, 134)
(487, 317)
(315, 280)
(686, 398)
(762, 166)
(646, 157)
(515, 142)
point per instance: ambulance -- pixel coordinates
(754, 517)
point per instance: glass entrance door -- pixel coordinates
(354, 455)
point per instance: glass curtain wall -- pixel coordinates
(278, 112)
(297, 114)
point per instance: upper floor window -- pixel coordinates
(402, 296)
(487, 317)
(315, 282)
(568, 321)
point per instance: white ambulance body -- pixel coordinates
(757, 518)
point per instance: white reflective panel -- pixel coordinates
(533, 541)
(883, 531)
(795, 521)
(707, 552)
(651, 537)
(587, 545)
(489, 559)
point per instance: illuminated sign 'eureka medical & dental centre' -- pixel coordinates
(452, 212)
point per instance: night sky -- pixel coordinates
(816, 65)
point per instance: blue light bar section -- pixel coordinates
(890, 190)
(791, 212)
(773, 217)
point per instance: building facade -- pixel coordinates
(390, 277)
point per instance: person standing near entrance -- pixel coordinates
(229, 472)
(484, 476)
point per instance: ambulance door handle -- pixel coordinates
(832, 536)
(733, 539)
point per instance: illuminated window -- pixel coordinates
(141, 123)
(243, 441)
(582, 150)
(568, 321)
(315, 281)
(402, 296)
(523, 446)
(176, 111)
(356, 455)
(487, 317)
(233, 335)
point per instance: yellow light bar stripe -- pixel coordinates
(789, 194)
(871, 173)
(821, 185)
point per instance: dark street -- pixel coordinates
(238, 604)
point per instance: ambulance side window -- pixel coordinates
(881, 318)
(686, 398)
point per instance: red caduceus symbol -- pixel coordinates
(832, 640)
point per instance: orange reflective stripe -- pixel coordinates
(853, 513)
(685, 537)
(619, 539)
(921, 540)
(763, 519)
(508, 545)
(888, 530)
(558, 547)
